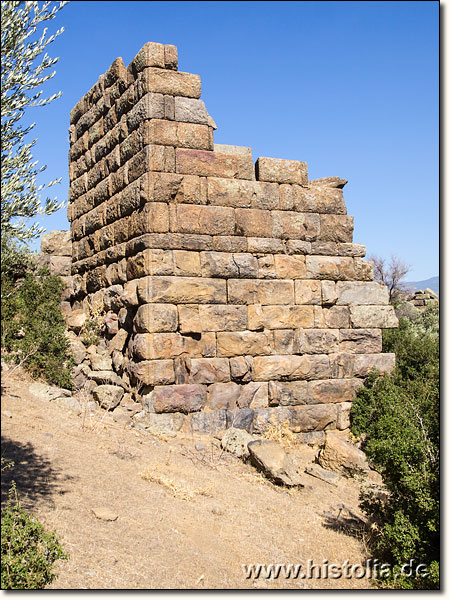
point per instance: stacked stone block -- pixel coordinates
(241, 295)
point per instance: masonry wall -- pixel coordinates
(236, 288)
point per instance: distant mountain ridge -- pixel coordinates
(432, 283)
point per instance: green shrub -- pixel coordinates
(399, 417)
(33, 327)
(28, 550)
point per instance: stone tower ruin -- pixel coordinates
(235, 293)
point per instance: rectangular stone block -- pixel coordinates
(179, 398)
(336, 317)
(223, 396)
(171, 187)
(290, 267)
(190, 110)
(361, 293)
(333, 390)
(154, 346)
(254, 291)
(171, 133)
(316, 341)
(307, 292)
(150, 262)
(360, 341)
(373, 316)
(289, 393)
(330, 267)
(253, 222)
(218, 264)
(281, 171)
(253, 395)
(311, 199)
(213, 164)
(336, 228)
(151, 318)
(280, 317)
(174, 83)
(242, 193)
(182, 290)
(171, 57)
(244, 342)
(150, 106)
(212, 318)
(283, 341)
(314, 417)
(153, 372)
(214, 220)
(294, 225)
(265, 245)
(284, 367)
(209, 370)
(228, 243)
(364, 363)
(150, 55)
(186, 263)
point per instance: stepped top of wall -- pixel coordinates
(154, 71)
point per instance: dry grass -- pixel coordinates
(181, 524)
(282, 434)
(177, 489)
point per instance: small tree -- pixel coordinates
(23, 71)
(390, 274)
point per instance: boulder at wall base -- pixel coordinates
(342, 457)
(108, 396)
(270, 458)
(236, 442)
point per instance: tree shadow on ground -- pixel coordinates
(35, 477)
(345, 522)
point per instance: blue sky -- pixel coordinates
(349, 87)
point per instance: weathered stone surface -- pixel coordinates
(76, 347)
(223, 396)
(57, 243)
(316, 341)
(209, 370)
(150, 55)
(290, 267)
(151, 318)
(336, 228)
(244, 342)
(314, 417)
(360, 341)
(256, 291)
(100, 361)
(280, 317)
(154, 346)
(108, 396)
(333, 390)
(341, 456)
(253, 395)
(343, 417)
(241, 368)
(288, 393)
(307, 292)
(274, 462)
(364, 363)
(179, 398)
(186, 263)
(330, 267)
(182, 290)
(295, 225)
(117, 343)
(171, 133)
(213, 164)
(107, 378)
(190, 110)
(236, 441)
(361, 293)
(373, 316)
(75, 320)
(284, 367)
(216, 220)
(153, 372)
(174, 83)
(281, 171)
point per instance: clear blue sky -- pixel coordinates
(349, 87)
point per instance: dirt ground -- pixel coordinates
(190, 522)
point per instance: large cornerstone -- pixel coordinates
(237, 294)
